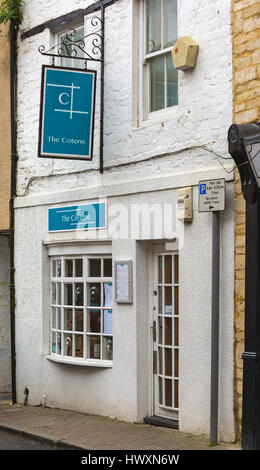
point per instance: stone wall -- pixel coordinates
(5, 148)
(5, 346)
(246, 108)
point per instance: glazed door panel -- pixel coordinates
(166, 335)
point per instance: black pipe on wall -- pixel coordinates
(13, 45)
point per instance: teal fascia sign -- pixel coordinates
(83, 217)
(67, 113)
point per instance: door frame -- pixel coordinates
(155, 250)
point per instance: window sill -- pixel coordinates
(158, 117)
(79, 362)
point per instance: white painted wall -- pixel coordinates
(5, 338)
(201, 118)
(143, 164)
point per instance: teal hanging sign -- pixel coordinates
(72, 218)
(67, 113)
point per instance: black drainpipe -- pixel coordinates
(13, 38)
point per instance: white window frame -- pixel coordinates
(63, 252)
(57, 38)
(142, 79)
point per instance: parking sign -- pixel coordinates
(212, 195)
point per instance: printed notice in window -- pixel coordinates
(108, 322)
(124, 282)
(108, 295)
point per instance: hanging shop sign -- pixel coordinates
(67, 113)
(82, 217)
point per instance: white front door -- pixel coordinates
(165, 329)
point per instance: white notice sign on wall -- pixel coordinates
(124, 287)
(211, 195)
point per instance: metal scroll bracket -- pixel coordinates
(90, 48)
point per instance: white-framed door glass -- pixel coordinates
(166, 335)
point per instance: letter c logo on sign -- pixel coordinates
(64, 102)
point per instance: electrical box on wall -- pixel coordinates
(184, 204)
(184, 53)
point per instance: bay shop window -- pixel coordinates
(81, 308)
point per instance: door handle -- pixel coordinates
(153, 327)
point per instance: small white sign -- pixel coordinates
(124, 282)
(212, 195)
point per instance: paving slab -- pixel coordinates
(81, 431)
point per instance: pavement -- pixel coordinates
(79, 431)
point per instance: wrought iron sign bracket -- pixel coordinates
(90, 48)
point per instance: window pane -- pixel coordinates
(79, 294)
(176, 394)
(68, 268)
(168, 300)
(58, 285)
(53, 343)
(176, 269)
(160, 326)
(94, 347)
(160, 393)
(79, 345)
(66, 48)
(95, 267)
(53, 291)
(58, 318)
(108, 267)
(68, 344)
(108, 322)
(58, 343)
(176, 363)
(67, 319)
(79, 320)
(160, 300)
(153, 25)
(157, 88)
(58, 266)
(176, 300)
(94, 323)
(168, 392)
(176, 332)
(108, 295)
(54, 268)
(159, 269)
(168, 269)
(169, 22)
(67, 294)
(172, 82)
(94, 295)
(168, 361)
(78, 267)
(53, 324)
(107, 348)
(168, 331)
(160, 360)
